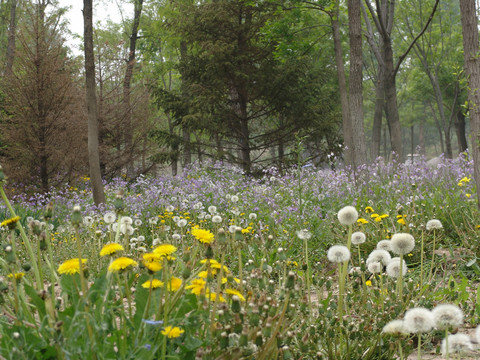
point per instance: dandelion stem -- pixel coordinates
(305, 244)
(419, 349)
(26, 241)
(421, 263)
(433, 256)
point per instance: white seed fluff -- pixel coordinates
(358, 238)
(393, 268)
(395, 327)
(457, 343)
(418, 320)
(348, 215)
(447, 316)
(384, 245)
(381, 256)
(338, 254)
(434, 224)
(402, 243)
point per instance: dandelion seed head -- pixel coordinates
(418, 320)
(381, 256)
(304, 234)
(434, 224)
(348, 215)
(216, 219)
(338, 254)
(457, 343)
(212, 209)
(384, 245)
(358, 238)
(375, 267)
(393, 268)
(447, 316)
(402, 243)
(395, 327)
(182, 222)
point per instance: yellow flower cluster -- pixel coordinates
(464, 181)
(172, 332)
(71, 266)
(10, 222)
(202, 235)
(122, 263)
(110, 249)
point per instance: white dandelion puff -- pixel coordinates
(375, 267)
(358, 238)
(109, 217)
(434, 224)
(338, 254)
(393, 268)
(418, 320)
(304, 234)
(384, 245)
(216, 219)
(457, 343)
(447, 316)
(348, 215)
(402, 243)
(381, 256)
(395, 327)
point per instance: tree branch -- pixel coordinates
(404, 55)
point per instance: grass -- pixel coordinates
(254, 284)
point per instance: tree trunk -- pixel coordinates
(137, 12)
(11, 37)
(378, 114)
(460, 131)
(421, 133)
(342, 86)
(93, 151)
(356, 80)
(391, 99)
(439, 128)
(469, 18)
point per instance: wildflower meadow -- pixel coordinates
(377, 263)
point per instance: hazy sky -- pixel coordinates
(103, 10)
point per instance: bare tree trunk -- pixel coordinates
(378, 114)
(439, 127)
(93, 151)
(11, 37)
(469, 18)
(421, 132)
(342, 85)
(460, 130)
(356, 80)
(391, 99)
(137, 12)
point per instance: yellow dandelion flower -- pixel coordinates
(362, 221)
(369, 209)
(374, 215)
(204, 236)
(10, 223)
(71, 266)
(154, 284)
(235, 292)
(110, 249)
(122, 263)
(213, 296)
(165, 249)
(150, 257)
(468, 195)
(401, 221)
(196, 286)
(368, 283)
(174, 284)
(17, 276)
(293, 263)
(153, 266)
(172, 332)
